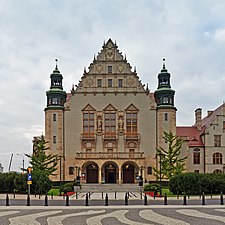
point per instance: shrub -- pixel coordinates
(152, 187)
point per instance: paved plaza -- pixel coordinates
(132, 215)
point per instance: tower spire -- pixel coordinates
(56, 66)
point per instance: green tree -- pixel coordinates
(170, 159)
(41, 160)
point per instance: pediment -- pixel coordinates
(110, 107)
(131, 107)
(88, 107)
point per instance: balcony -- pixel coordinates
(132, 136)
(105, 155)
(88, 136)
(110, 136)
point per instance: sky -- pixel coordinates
(189, 34)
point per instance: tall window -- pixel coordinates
(88, 122)
(54, 117)
(99, 82)
(217, 140)
(217, 158)
(54, 139)
(196, 156)
(120, 83)
(109, 82)
(110, 123)
(131, 122)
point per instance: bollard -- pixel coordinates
(7, 200)
(102, 195)
(126, 199)
(177, 196)
(165, 199)
(14, 194)
(185, 199)
(39, 196)
(46, 200)
(145, 200)
(221, 198)
(141, 194)
(115, 194)
(67, 200)
(86, 200)
(76, 195)
(89, 193)
(52, 195)
(154, 195)
(106, 200)
(203, 198)
(28, 200)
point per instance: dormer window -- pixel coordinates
(109, 69)
(99, 82)
(109, 82)
(120, 83)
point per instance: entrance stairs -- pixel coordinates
(107, 188)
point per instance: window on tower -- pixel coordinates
(54, 101)
(54, 117)
(165, 100)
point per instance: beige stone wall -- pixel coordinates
(74, 125)
(162, 125)
(55, 128)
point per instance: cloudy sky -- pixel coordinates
(190, 34)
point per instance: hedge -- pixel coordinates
(194, 183)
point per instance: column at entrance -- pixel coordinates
(100, 176)
(120, 179)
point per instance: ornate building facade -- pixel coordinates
(107, 128)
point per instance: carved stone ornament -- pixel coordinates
(89, 82)
(109, 54)
(99, 68)
(120, 68)
(99, 124)
(130, 81)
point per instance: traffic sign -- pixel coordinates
(29, 182)
(29, 177)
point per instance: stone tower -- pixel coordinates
(166, 111)
(54, 119)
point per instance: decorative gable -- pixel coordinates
(131, 107)
(88, 107)
(110, 107)
(110, 73)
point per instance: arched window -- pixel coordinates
(217, 158)
(217, 171)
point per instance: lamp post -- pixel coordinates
(160, 171)
(23, 160)
(60, 173)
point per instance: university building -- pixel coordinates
(107, 128)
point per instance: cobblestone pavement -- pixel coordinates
(133, 215)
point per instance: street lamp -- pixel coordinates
(23, 160)
(160, 171)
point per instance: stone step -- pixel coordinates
(110, 188)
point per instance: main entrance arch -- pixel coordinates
(110, 172)
(92, 173)
(128, 173)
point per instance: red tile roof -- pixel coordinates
(206, 121)
(191, 134)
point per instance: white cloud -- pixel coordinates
(189, 34)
